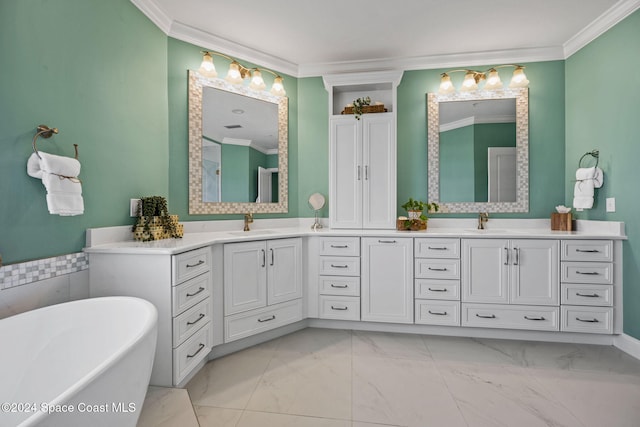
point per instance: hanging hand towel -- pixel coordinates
(59, 176)
(586, 180)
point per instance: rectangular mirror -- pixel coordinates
(237, 149)
(478, 151)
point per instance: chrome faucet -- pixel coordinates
(248, 219)
(482, 218)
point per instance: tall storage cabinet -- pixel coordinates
(362, 152)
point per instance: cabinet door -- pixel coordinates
(485, 270)
(245, 276)
(346, 173)
(387, 280)
(284, 273)
(535, 272)
(379, 173)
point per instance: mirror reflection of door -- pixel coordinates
(211, 171)
(502, 174)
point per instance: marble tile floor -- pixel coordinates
(338, 378)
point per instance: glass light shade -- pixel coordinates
(519, 79)
(257, 83)
(234, 76)
(493, 81)
(207, 68)
(278, 88)
(469, 82)
(446, 86)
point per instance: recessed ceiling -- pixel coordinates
(305, 38)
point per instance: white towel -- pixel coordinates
(586, 180)
(59, 176)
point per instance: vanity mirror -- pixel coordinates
(478, 151)
(237, 149)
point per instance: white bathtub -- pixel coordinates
(83, 363)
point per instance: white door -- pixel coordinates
(346, 173)
(284, 272)
(245, 276)
(211, 171)
(502, 174)
(485, 270)
(387, 280)
(535, 272)
(379, 174)
(265, 186)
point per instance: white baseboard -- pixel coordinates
(628, 344)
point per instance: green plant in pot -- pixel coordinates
(358, 104)
(415, 210)
(153, 220)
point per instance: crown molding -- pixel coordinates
(600, 25)
(156, 14)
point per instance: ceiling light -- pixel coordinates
(238, 73)
(473, 77)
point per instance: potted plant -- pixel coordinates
(358, 104)
(153, 220)
(417, 220)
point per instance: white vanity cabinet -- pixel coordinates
(387, 279)
(339, 278)
(262, 286)
(362, 171)
(180, 287)
(517, 280)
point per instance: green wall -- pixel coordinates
(489, 135)
(603, 112)
(97, 71)
(457, 167)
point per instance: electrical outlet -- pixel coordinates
(611, 204)
(133, 207)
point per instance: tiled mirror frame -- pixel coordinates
(196, 206)
(522, 144)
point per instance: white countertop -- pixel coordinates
(204, 233)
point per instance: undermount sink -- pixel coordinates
(250, 232)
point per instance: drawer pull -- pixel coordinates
(200, 289)
(272, 257)
(438, 269)
(506, 252)
(339, 308)
(339, 266)
(588, 251)
(197, 320)
(587, 320)
(339, 286)
(437, 290)
(517, 260)
(438, 313)
(340, 246)
(490, 316)
(267, 319)
(534, 318)
(196, 264)
(264, 258)
(436, 248)
(386, 241)
(588, 273)
(593, 295)
(189, 356)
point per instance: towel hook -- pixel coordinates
(47, 132)
(592, 153)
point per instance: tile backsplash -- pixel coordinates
(32, 271)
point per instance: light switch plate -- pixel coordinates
(133, 207)
(611, 204)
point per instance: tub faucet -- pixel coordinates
(482, 218)
(248, 219)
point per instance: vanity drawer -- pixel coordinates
(587, 250)
(577, 294)
(191, 264)
(244, 324)
(339, 266)
(437, 248)
(437, 312)
(190, 321)
(336, 285)
(341, 308)
(437, 289)
(595, 320)
(191, 352)
(510, 316)
(190, 293)
(587, 272)
(340, 246)
(429, 268)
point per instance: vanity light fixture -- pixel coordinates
(238, 73)
(473, 77)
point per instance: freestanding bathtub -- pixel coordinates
(81, 363)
